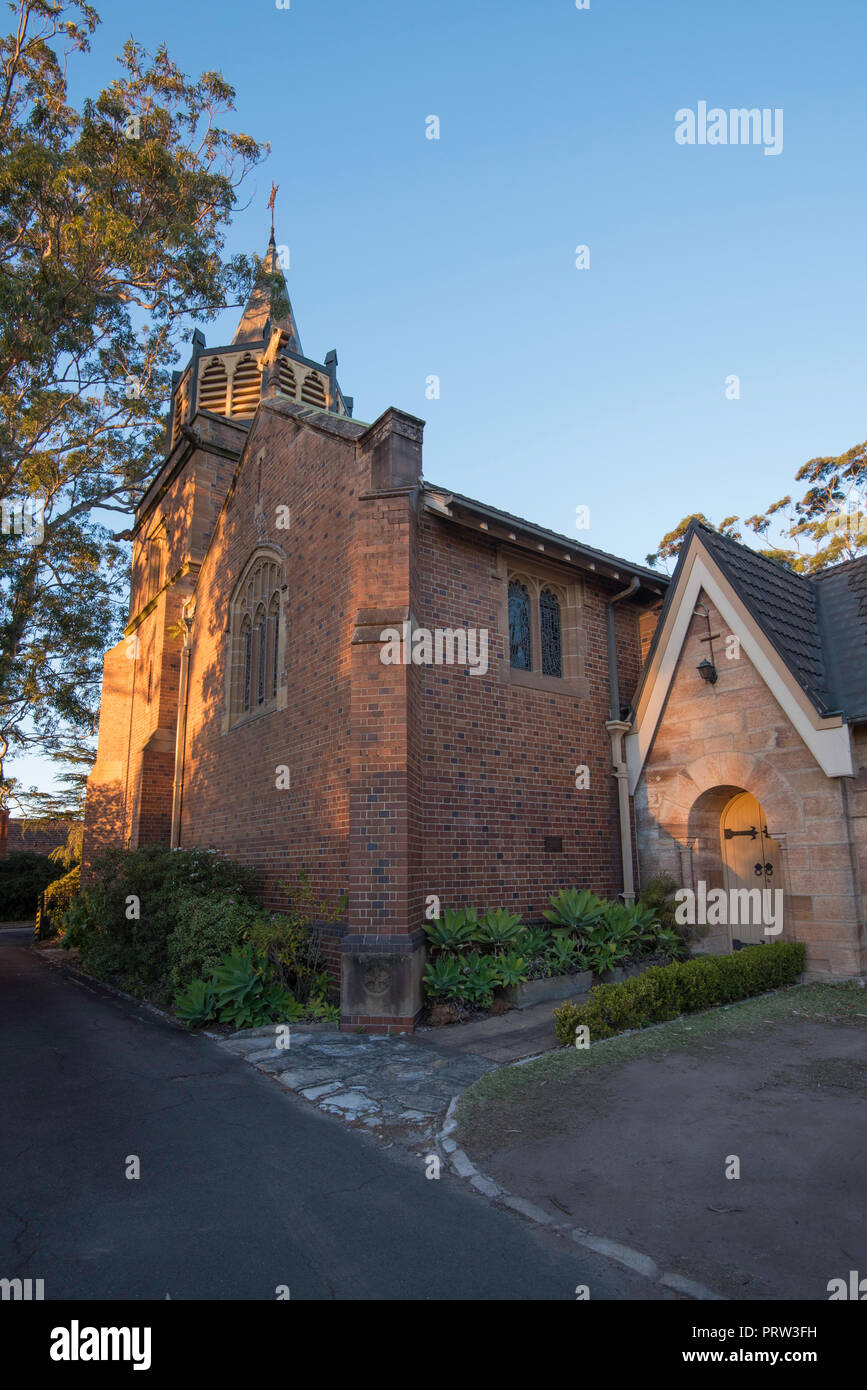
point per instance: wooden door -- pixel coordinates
(751, 857)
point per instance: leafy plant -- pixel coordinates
(564, 953)
(458, 927)
(602, 953)
(237, 977)
(480, 980)
(510, 969)
(500, 928)
(575, 910)
(196, 1004)
(534, 942)
(658, 894)
(443, 977)
(135, 899)
(670, 943)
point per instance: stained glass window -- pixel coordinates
(254, 668)
(275, 637)
(260, 661)
(520, 650)
(552, 634)
(247, 637)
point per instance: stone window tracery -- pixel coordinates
(542, 616)
(255, 638)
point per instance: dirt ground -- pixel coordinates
(633, 1139)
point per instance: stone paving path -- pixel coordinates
(386, 1084)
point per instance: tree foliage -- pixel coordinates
(826, 527)
(112, 223)
(669, 546)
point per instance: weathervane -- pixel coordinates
(271, 201)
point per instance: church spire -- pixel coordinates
(269, 299)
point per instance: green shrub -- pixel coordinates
(292, 944)
(57, 899)
(205, 930)
(629, 924)
(196, 1005)
(534, 941)
(603, 951)
(24, 874)
(243, 990)
(294, 953)
(665, 992)
(658, 894)
(667, 942)
(134, 900)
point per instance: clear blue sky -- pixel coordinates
(602, 387)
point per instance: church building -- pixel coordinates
(333, 665)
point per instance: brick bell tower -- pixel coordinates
(259, 398)
(135, 786)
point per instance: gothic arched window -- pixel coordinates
(274, 619)
(545, 631)
(520, 646)
(255, 632)
(552, 634)
(247, 648)
(260, 657)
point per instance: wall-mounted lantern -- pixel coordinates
(706, 668)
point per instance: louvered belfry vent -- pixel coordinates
(313, 391)
(246, 387)
(214, 387)
(287, 383)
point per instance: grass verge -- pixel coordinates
(490, 1100)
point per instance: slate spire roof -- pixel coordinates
(269, 299)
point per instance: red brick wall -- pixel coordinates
(500, 759)
(129, 798)
(405, 780)
(40, 839)
(231, 800)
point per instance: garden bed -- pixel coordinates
(481, 965)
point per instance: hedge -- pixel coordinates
(667, 991)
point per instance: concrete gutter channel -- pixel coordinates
(400, 1102)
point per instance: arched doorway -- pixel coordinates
(751, 858)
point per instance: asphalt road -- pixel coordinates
(243, 1188)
